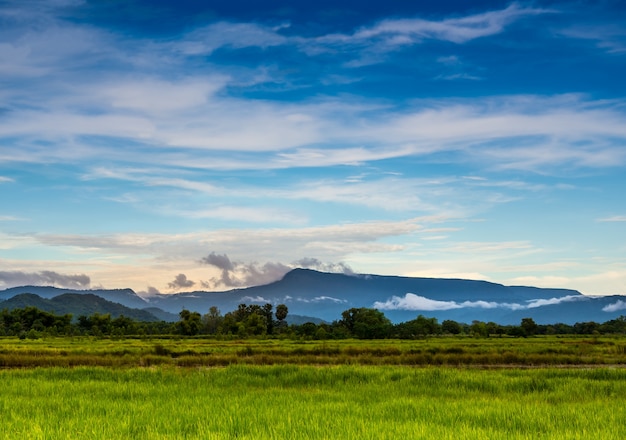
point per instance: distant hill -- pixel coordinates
(126, 297)
(324, 296)
(76, 304)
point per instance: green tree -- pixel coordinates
(451, 327)
(281, 315)
(529, 327)
(190, 323)
(479, 329)
(213, 320)
(365, 323)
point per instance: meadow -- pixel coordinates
(444, 388)
(312, 402)
(210, 352)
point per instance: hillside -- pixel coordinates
(76, 304)
(126, 297)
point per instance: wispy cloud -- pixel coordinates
(181, 120)
(615, 218)
(205, 40)
(384, 36)
(608, 37)
(327, 243)
(394, 34)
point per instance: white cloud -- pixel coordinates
(147, 256)
(609, 37)
(615, 307)
(552, 301)
(205, 40)
(152, 95)
(254, 299)
(393, 34)
(411, 301)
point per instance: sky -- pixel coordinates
(171, 146)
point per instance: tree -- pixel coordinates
(366, 323)
(255, 325)
(281, 312)
(190, 323)
(479, 328)
(451, 327)
(266, 312)
(281, 315)
(529, 327)
(212, 320)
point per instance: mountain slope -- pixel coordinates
(76, 304)
(126, 297)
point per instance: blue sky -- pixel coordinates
(179, 145)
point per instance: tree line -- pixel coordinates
(265, 321)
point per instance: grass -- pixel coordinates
(444, 351)
(309, 402)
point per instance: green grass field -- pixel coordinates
(447, 351)
(443, 388)
(309, 402)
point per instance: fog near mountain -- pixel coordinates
(325, 295)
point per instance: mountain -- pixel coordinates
(126, 297)
(325, 295)
(76, 304)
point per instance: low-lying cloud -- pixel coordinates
(44, 278)
(410, 301)
(615, 307)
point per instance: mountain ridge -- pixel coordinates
(76, 304)
(326, 295)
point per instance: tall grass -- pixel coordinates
(307, 402)
(85, 351)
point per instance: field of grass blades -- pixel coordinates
(312, 402)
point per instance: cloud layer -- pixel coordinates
(44, 278)
(411, 301)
